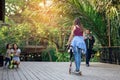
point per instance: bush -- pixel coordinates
(62, 57)
(96, 57)
(49, 54)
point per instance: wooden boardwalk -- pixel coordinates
(59, 71)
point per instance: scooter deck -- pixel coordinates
(77, 73)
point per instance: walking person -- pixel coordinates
(76, 40)
(7, 55)
(89, 40)
(16, 55)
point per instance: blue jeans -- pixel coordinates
(7, 60)
(77, 57)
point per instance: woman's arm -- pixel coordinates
(17, 53)
(71, 35)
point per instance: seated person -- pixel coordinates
(16, 53)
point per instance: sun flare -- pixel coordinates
(47, 3)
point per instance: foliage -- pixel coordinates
(33, 23)
(62, 57)
(49, 54)
(110, 10)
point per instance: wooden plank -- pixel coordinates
(29, 75)
(16, 76)
(21, 74)
(5, 74)
(35, 73)
(1, 73)
(38, 74)
(48, 72)
(59, 71)
(26, 74)
(45, 69)
(10, 74)
(38, 71)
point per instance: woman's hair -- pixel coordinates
(77, 22)
(7, 46)
(16, 45)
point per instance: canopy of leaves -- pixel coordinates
(31, 22)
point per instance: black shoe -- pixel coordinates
(87, 65)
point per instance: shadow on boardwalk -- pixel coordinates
(59, 71)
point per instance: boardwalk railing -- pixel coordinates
(110, 55)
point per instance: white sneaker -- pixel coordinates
(76, 71)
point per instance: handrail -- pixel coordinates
(110, 47)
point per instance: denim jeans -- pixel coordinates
(7, 60)
(77, 57)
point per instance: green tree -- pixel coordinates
(95, 15)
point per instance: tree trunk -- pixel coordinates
(49, 56)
